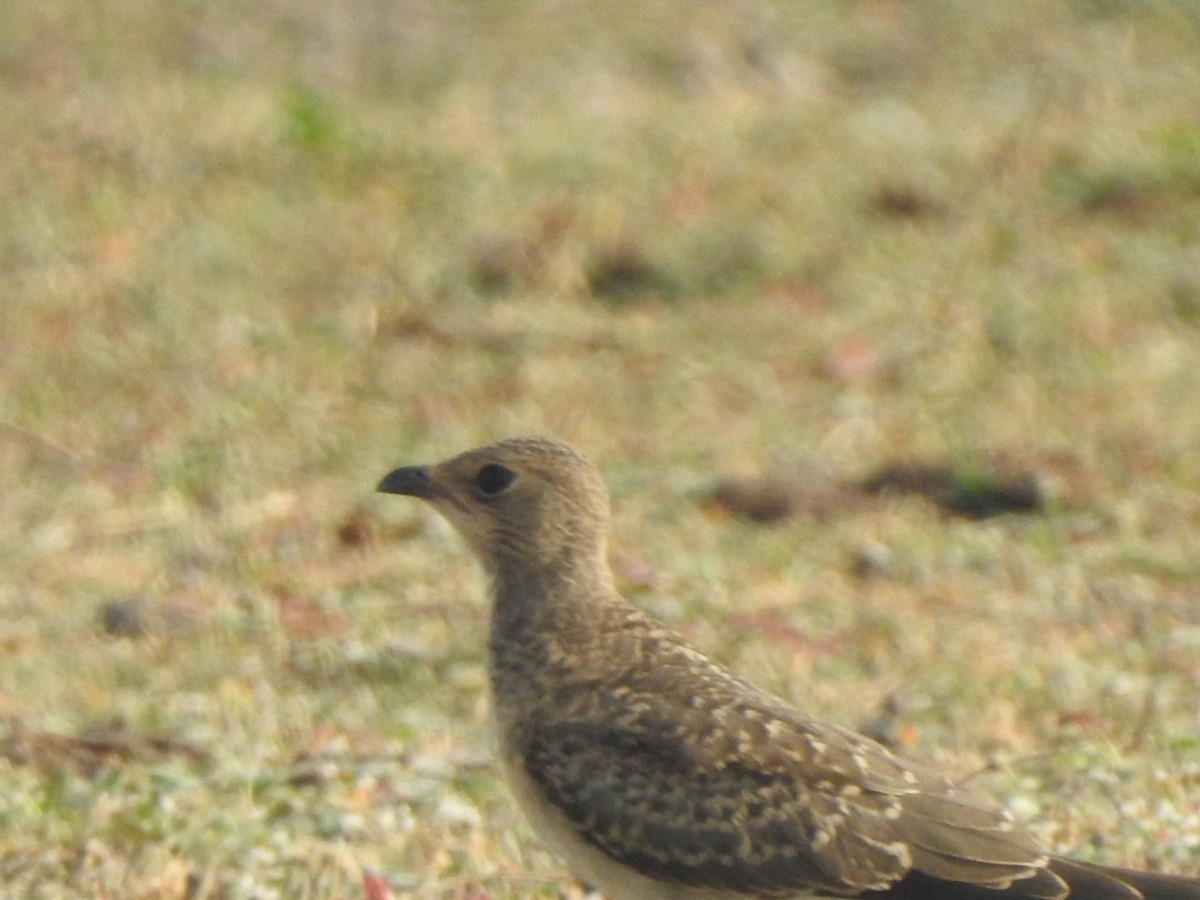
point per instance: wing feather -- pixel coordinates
(727, 787)
(653, 799)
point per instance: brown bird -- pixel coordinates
(658, 774)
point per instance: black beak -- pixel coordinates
(412, 481)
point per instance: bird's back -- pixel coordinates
(630, 744)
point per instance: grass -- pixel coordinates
(252, 258)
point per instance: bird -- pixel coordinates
(656, 773)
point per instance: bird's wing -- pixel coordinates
(769, 804)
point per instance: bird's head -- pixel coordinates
(530, 503)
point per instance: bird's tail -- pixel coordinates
(1091, 882)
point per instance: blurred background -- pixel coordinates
(881, 318)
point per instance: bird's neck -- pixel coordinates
(545, 618)
(533, 598)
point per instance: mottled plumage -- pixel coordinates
(659, 775)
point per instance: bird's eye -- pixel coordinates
(494, 479)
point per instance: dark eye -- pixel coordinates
(494, 479)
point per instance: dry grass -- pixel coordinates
(255, 256)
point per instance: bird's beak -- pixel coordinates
(412, 481)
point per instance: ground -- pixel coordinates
(255, 256)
